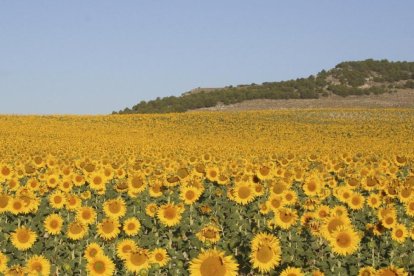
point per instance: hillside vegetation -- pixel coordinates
(347, 78)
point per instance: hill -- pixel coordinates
(352, 78)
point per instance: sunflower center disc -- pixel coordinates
(170, 213)
(138, 259)
(244, 192)
(99, 267)
(264, 254)
(23, 236)
(343, 240)
(213, 266)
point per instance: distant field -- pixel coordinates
(285, 192)
(403, 98)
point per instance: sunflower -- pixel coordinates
(155, 190)
(38, 265)
(367, 271)
(389, 221)
(322, 212)
(66, 185)
(212, 173)
(121, 186)
(389, 210)
(339, 210)
(86, 195)
(278, 187)
(259, 189)
(374, 200)
(275, 202)
(131, 226)
(52, 181)
(136, 183)
(265, 252)
(120, 173)
(6, 172)
(378, 229)
(78, 180)
(311, 203)
(97, 181)
(391, 271)
(33, 184)
(3, 262)
(205, 209)
(57, 200)
(244, 193)
(93, 250)
(352, 183)
(312, 186)
(292, 271)
(289, 197)
(73, 202)
(31, 201)
(182, 173)
(189, 194)
(209, 233)
(137, 260)
(4, 202)
(344, 241)
(53, 224)
(409, 207)
(15, 270)
(206, 157)
(23, 238)
(356, 201)
(115, 208)
(264, 208)
(405, 194)
(412, 232)
(100, 265)
(77, 230)
(399, 233)
(344, 194)
(160, 257)
(125, 247)
(108, 172)
(13, 184)
(17, 206)
(169, 214)
(317, 272)
(264, 172)
(285, 218)
(151, 209)
(332, 223)
(86, 215)
(213, 262)
(223, 179)
(108, 228)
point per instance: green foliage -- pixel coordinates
(350, 75)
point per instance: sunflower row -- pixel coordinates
(321, 192)
(326, 205)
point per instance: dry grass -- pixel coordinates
(403, 98)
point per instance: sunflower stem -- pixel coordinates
(290, 238)
(191, 214)
(373, 253)
(170, 238)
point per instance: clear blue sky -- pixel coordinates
(93, 57)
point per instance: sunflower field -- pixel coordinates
(315, 192)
